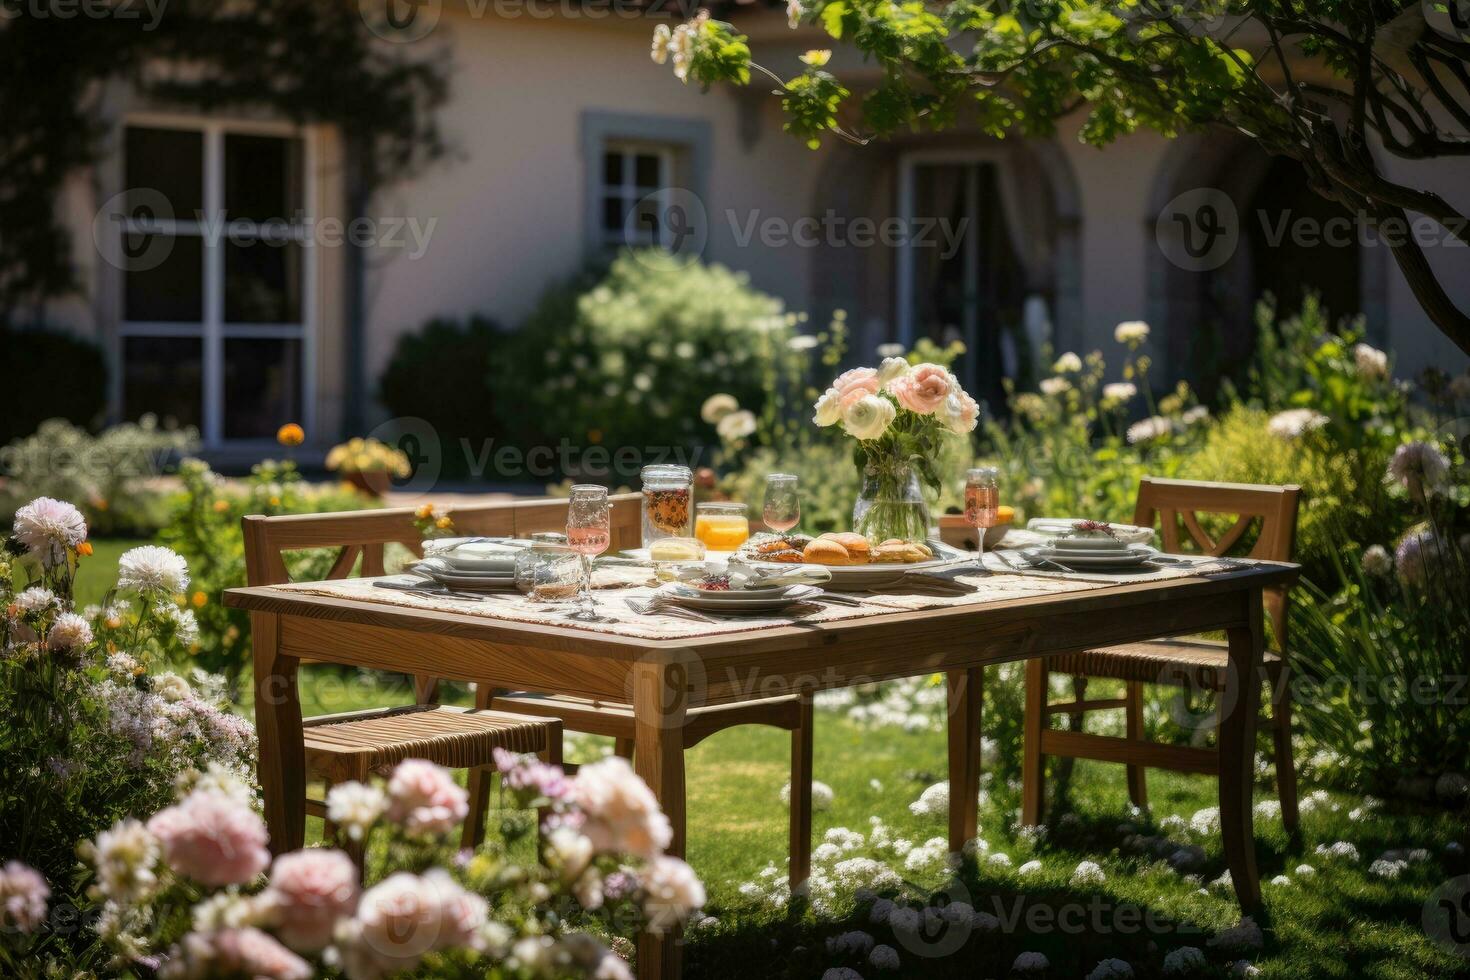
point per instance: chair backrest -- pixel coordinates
(364, 533)
(1177, 504)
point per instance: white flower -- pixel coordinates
(1305, 871)
(1280, 881)
(817, 57)
(681, 46)
(1206, 822)
(1131, 332)
(1066, 364)
(69, 630)
(856, 942)
(891, 369)
(802, 341)
(623, 817)
(821, 795)
(828, 410)
(171, 687)
(841, 973)
(1371, 362)
(1111, 969)
(1119, 391)
(737, 425)
(934, 799)
(1196, 414)
(1030, 867)
(1342, 849)
(999, 860)
(354, 807)
(1418, 466)
(1387, 869)
(124, 857)
(1185, 961)
(1146, 430)
(884, 958)
(1295, 422)
(719, 405)
(868, 417)
(793, 14)
(1244, 938)
(1052, 387)
(661, 38)
(1088, 873)
(36, 600)
(1244, 970)
(152, 568)
(1030, 963)
(1376, 560)
(890, 350)
(48, 528)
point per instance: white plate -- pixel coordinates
(1127, 533)
(736, 595)
(1137, 555)
(470, 582)
(792, 595)
(878, 574)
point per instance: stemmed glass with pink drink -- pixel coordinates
(982, 503)
(588, 534)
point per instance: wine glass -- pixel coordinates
(782, 510)
(982, 504)
(588, 534)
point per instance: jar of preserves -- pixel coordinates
(668, 502)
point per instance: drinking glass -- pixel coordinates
(721, 525)
(982, 503)
(782, 510)
(588, 534)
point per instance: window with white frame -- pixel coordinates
(216, 275)
(633, 177)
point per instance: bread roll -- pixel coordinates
(825, 551)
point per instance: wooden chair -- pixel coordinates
(1190, 663)
(363, 535)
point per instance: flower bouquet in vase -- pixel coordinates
(899, 414)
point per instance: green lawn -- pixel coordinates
(99, 572)
(1344, 921)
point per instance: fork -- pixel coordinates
(665, 607)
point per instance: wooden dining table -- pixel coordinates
(1006, 617)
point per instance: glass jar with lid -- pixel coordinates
(668, 501)
(549, 570)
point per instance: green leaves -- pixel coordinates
(811, 102)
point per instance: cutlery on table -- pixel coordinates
(664, 607)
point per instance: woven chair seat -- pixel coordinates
(453, 737)
(1200, 664)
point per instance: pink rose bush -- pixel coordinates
(602, 841)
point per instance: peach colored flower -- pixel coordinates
(855, 383)
(406, 916)
(246, 952)
(924, 389)
(623, 816)
(671, 890)
(308, 892)
(961, 413)
(212, 838)
(423, 798)
(23, 897)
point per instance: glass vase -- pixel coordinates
(891, 504)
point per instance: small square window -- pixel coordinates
(648, 172)
(169, 161)
(612, 169)
(163, 278)
(164, 376)
(263, 176)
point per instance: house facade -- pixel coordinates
(566, 140)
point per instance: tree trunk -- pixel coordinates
(1451, 320)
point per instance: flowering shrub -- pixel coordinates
(88, 735)
(305, 914)
(104, 474)
(204, 527)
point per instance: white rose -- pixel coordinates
(891, 368)
(868, 417)
(827, 410)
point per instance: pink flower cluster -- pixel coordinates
(308, 892)
(244, 952)
(23, 897)
(424, 798)
(621, 814)
(531, 776)
(213, 838)
(406, 916)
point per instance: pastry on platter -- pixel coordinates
(857, 546)
(783, 548)
(896, 550)
(825, 551)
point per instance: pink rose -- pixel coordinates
(212, 838)
(406, 916)
(623, 817)
(854, 384)
(923, 390)
(423, 798)
(308, 892)
(961, 412)
(244, 952)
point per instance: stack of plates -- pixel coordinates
(768, 599)
(1083, 553)
(1064, 526)
(479, 566)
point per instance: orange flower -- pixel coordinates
(444, 523)
(290, 434)
(200, 599)
(85, 549)
(424, 512)
(221, 505)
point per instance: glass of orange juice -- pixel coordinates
(721, 525)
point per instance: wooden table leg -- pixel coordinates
(281, 767)
(660, 692)
(966, 694)
(1033, 763)
(1237, 738)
